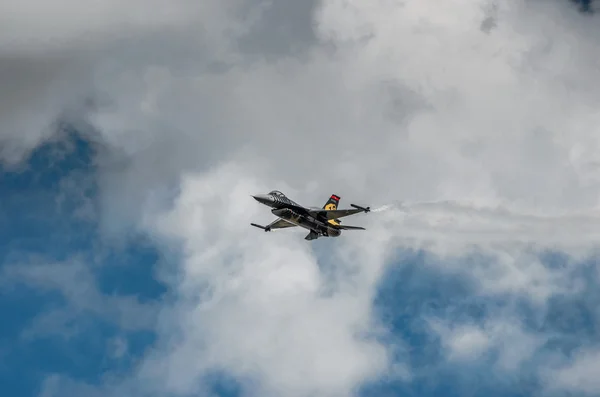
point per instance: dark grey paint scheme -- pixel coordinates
(319, 221)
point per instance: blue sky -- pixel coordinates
(41, 227)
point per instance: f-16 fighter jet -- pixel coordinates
(319, 221)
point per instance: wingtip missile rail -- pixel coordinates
(358, 207)
(265, 228)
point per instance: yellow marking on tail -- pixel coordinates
(331, 207)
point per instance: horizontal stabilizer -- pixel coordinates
(348, 227)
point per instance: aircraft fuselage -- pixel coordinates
(296, 214)
(306, 221)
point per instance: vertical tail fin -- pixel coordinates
(332, 204)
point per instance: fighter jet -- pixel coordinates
(318, 221)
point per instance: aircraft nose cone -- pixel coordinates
(263, 199)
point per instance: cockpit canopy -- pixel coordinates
(277, 193)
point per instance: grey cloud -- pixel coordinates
(35, 92)
(53, 67)
(285, 28)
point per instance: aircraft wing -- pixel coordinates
(277, 224)
(280, 224)
(346, 227)
(335, 214)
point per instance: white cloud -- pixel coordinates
(118, 347)
(77, 285)
(581, 375)
(267, 312)
(56, 385)
(466, 342)
(411, 101)
(501, 335)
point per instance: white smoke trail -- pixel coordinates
(464, 223)
(466, 208)
(383, 208)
